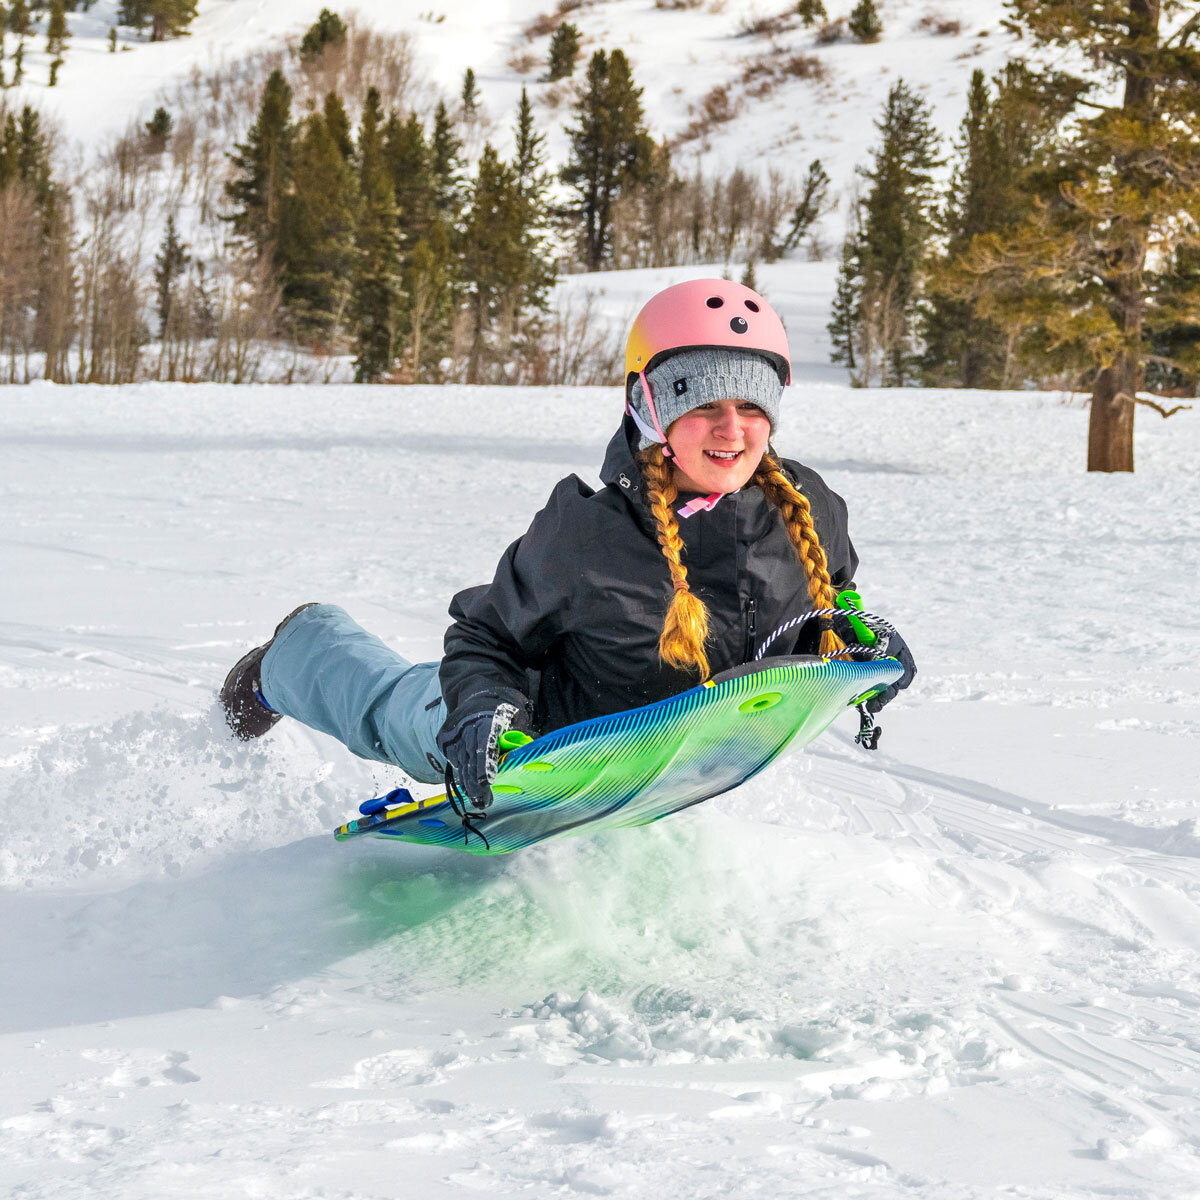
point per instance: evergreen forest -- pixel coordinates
(355, 217)
(1064, 249)
(314, 205)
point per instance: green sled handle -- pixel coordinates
(851, 602)
(513, 739)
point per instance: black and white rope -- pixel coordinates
(875, 624)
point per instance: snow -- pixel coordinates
(966, 966)
(678, 56)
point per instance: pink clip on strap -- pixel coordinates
(700, 504)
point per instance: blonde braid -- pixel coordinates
(685, 630)
(797, 520)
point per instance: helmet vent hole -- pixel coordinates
(738, 325)
(714, 302)
(751, 306)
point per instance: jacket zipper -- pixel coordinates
(751, 628)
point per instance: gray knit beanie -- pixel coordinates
(694, 377)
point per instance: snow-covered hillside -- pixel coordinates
(679, 55)
(965, 967)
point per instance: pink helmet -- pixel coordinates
(702, 314)
(706, 313)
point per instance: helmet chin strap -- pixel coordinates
(655, 434)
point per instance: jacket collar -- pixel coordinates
(620, 467)
(620, 470)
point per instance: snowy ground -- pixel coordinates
(967, 967)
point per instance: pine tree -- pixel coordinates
(1078, 272)
(898, 219)
(56, 29)
(533, 182)
(25, 154)
(338, 124)
(529, 298)
(18, 18)
(158, 129)
(1174, 335)
(169, 264)
(813, 199)
(33, 155)
(811, 11)
(999, 139)
(492, 259)
(610, 151)
(18, 63)
(409, 164)
(327, 30)
(446, 162)
(564, 50)
(865, 25)
(316, 235)
(166, 18)
(847, 298)
(531, 154)
(469, 96)
(263, 167)
(960, 347)
(424, 225)
(377, 270)
(170, 18)
(38, 305)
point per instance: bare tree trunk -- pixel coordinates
(1110, 427)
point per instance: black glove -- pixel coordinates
(896, 648)
(472, 748)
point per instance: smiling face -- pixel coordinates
(718, 446)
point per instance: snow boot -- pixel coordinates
(241, 694)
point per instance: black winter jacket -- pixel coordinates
(568, 629)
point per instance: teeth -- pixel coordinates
(723, 453)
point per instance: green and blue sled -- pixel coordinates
(635, 767)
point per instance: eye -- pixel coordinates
(747, 407)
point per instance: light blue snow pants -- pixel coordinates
(330, 673)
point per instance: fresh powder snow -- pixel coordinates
(964, 966)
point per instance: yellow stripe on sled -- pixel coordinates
(399, 810)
